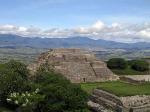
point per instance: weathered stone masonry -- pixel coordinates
(75, 64)
(138, 103)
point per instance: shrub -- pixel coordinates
(12, 79)
(18, 67)
(25, 101)
(61, 94)
(117, 63)
(140, 65)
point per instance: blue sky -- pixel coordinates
(71, 13)
(118, 20)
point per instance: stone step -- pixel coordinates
(108, 96)
(97, 107)
(104, 102)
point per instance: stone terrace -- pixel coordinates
(75, 64)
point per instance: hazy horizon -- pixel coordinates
(115, 20)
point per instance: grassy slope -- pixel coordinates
(118, 88)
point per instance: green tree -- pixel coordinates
(117, 63)
(18, 67)
(140, 65)
(12, 79)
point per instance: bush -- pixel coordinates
(18, 67)
(61, 94)
(117, 63)
(140, 65)
(12, 79)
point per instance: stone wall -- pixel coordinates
(106, 99)
(145, 108)
(135, 79)
(131, 80)
(95, 107)
(107, 96)
(145, 78)
(77, 72)
(121, 104)
(135, 101)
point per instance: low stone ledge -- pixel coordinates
(145, 108)
(131, 80)
(138, 103)
(108, 96)
(97, 107)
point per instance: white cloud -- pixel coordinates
(99, 30)
(99, 25)
(8, 28)
(145, 33)
(22, 29)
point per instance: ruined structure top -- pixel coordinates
(75, 64)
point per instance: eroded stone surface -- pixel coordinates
(144, 78)
(135, 101)
(75, 64)
(97, 107)
(138, 103)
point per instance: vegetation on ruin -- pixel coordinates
(118, 88)
(46, 92)
(133, 67)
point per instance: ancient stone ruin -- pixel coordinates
(76, 65)
(102, 100)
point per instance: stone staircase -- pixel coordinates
(107, 100)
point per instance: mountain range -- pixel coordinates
(13, 41)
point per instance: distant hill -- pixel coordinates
(12, 41)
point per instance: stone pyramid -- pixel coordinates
(76, 65)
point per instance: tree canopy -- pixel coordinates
(117, 63)
(140, 65)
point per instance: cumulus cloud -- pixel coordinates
(98, 30)
(145, 33)
(99, 25)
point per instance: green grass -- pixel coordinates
(128, 71)
(118, 88)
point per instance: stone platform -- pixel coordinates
(75, 64)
